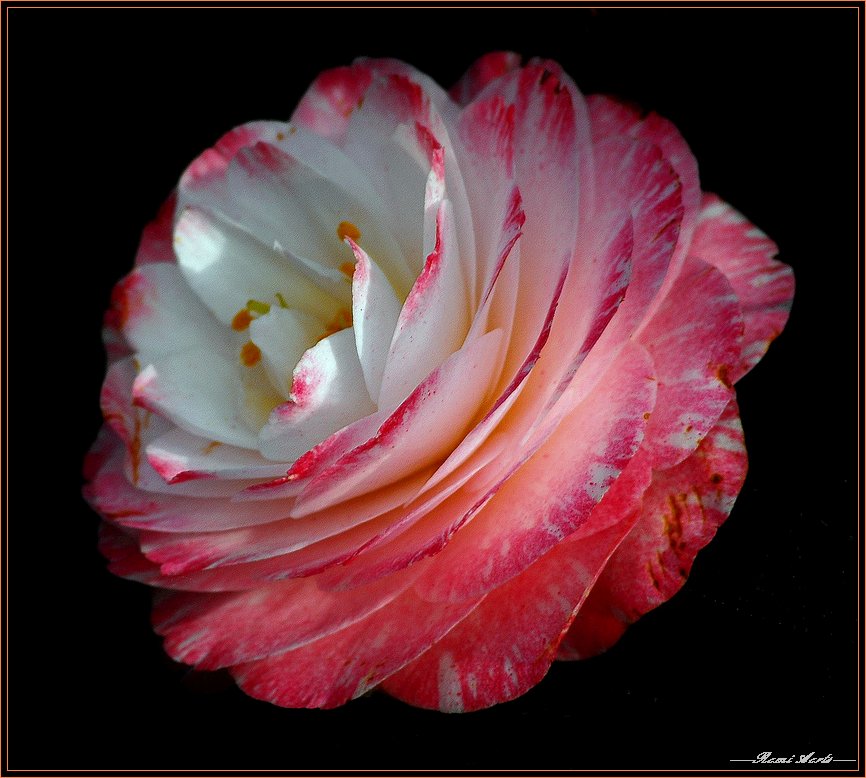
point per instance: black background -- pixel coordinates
(758, 652)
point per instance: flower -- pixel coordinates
(423, 390)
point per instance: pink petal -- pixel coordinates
(328, 103)
(328, 672)
(506, 645)
(218, 630)
(682, 510)
(550, 495)
(695, 340)
(483, 71)
(156, 238)
(765, 287)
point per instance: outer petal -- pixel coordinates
(505, 646)
(483, 71)
(218, 630)
(682, 510)
(694, 338)
(328, 672)
(765, 287)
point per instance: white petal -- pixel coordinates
(328, 393)
(198, 391)
(375, 310)
(283, 335)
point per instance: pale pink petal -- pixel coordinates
(695, 341)
(553, 493)
(328, 393)
(329, 102)
(745, 255)
(682, 510)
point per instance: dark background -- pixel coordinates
(757, 653)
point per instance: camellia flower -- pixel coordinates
(423, 390)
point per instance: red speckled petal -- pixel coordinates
(217, 630)
(483, 71)
(553, 493)
(695, 341)
(745, 255)
(682, 510)
(505, 646)
(329, 672)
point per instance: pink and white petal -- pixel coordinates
(682, 510)
(609, 117)
(344, 665)
(198, 390)
(506, 645)
(283, 335)
(218, 630)
(483, 71)
(552, 493)
(115, 498)
(158, 313)
(745, 255)
(695, 341)
(434, 319)
(281, 198)
(413, 437)
(185, 553)
(328, 393)
(201, 184)
(179, 456)
(226, 267)
(328, 104)
(375, 312)
(156, 238)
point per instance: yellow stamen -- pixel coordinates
(348, 230)
(348, 269)
(241, 320)
(281, 300)
(342, 319)
(250, 354)
(254, 306)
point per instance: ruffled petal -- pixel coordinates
(745, 255)
(682, 510)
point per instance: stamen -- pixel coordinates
(254, 306)
(250, 354)
(241, 320)
(348, 269)
(348, 230)
(281, 300)
(342, 319)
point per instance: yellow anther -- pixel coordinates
(281, 300)
(254, 306)
(250, 354)
(348, 230)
